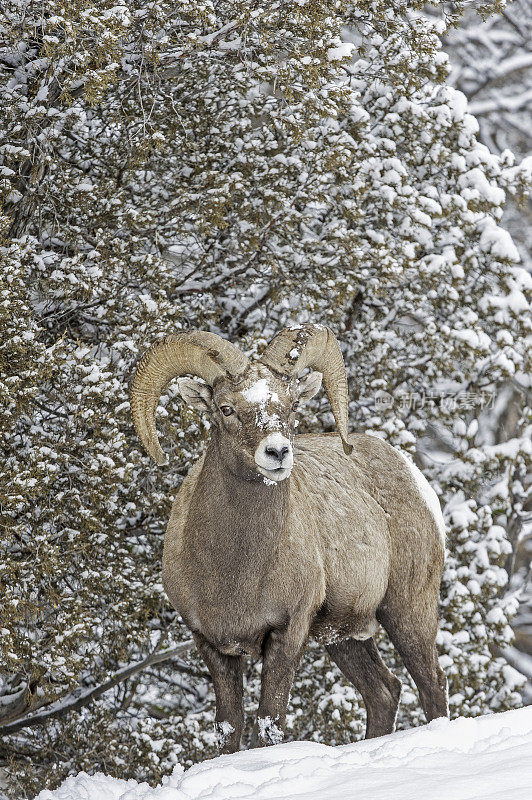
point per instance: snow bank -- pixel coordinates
(467, 759)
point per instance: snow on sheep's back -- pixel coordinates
(467, 759)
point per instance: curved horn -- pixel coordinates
(313, 346)
(199, 353)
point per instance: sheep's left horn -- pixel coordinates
(314, 346)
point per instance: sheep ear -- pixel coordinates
(196, 394)
(309, 385)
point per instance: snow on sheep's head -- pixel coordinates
(252, 406)
(256, 416)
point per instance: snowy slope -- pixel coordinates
(487, 758)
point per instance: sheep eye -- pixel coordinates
(226, 410)
(295, 405)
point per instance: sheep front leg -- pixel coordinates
(281, 657)
(226, 673)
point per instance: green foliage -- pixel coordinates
(178, 165)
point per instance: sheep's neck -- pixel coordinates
(231, 544)
(234, 520)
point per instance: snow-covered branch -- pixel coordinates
(501, 103)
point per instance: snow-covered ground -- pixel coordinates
(487, 758)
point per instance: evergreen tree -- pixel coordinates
(491, 63)
(236, 169)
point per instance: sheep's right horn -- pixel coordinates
(199, 353)
(315, 346)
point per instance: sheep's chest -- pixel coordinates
(233, 567)
(234, 597)
(234, 609)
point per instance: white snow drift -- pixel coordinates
(487, 758)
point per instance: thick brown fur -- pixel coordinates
(343, 544)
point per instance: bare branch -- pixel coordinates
(80, 698)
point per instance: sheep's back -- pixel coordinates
(375, 524)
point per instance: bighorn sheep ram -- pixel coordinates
(275, 537)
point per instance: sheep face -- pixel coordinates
(254, 420)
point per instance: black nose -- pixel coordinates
(276, 452)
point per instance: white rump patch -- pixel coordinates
(429, 495)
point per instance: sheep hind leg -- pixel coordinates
(362, 665)
(414, 636)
